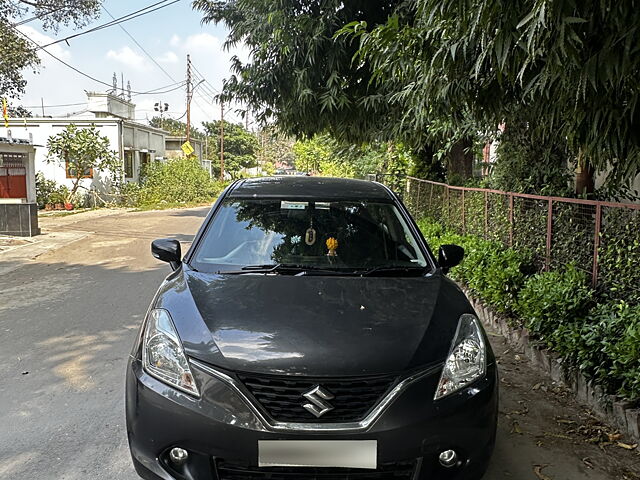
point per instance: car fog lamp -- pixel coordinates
(162, 353)
(178, 455)
(448, 458)
(467, 358)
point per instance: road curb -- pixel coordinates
(622, 414)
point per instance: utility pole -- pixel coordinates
(221, 140)
(188, 98)
(246, 121)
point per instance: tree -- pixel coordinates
(240, 146)
(19, 112)
(175, 127)
(571, 67)
(299, 73)
(17, 52)
(81, 151)
(275, 150)
(304, 76)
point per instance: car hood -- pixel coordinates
(313, 325)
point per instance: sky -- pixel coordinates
(168, 35)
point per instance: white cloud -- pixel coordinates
(42, 39)
(168, 57)
(129, 58)
(202, 41)
(175, 40)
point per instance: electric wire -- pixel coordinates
(125, 18)
(140, 46)
(71, 66)
(44, 14)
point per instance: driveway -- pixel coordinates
(67, 323)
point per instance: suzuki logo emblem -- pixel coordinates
(318, 397)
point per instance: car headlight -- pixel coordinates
(467, 360)
(162, 353)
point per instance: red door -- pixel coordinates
(13, 176)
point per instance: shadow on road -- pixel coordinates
(191, 212)
(67, 330)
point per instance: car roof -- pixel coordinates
(289, 186)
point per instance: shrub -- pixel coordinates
(44, 190)
(178, 181)
(494, 273)
(606, 347)
(619, 255)
(550, 299)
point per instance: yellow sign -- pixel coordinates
(187, 148)
(5, 113)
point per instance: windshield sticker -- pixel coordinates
(323, 205)
(286, 205)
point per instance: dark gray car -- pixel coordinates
(309, 333)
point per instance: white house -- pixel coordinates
(113, 115)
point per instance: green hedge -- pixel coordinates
(493, 273)
(175, 182)
(558, 307)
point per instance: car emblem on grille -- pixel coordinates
(318, 397)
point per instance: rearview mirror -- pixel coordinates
(167, 250)
(449, 256)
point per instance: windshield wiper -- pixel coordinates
(271, 268)
(393, 270)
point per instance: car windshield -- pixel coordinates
(322, 235)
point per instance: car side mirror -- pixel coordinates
(167, 250)
(449, 256)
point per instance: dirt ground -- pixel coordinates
(547, 434)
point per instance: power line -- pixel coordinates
(71, 66)
(117, 21)
(44, 14)
(206, 81)
(140, 46)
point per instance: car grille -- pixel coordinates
(282, 398)
(386, 471)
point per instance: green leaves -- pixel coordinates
(17, 53)
(81, 151)
(558, 307)
(180, 180)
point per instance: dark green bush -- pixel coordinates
(619, 255)
(494, 273)
(550, 299)
(606, 347)
(603, 342)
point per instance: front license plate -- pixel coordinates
(318, 453)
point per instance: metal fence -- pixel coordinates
(600, 238)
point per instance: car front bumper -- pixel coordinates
(221, 431)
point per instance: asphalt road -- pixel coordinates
(68, 321)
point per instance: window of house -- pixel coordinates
(145, 158)
(128, 163)
(71, 171)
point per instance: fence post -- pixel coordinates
(486, 215)
(511, 219)
(448, 206)
(464, 231)
(547, 261)
(431, 200)
(596, 245)
(418, 209)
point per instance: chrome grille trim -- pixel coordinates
(362, 425)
